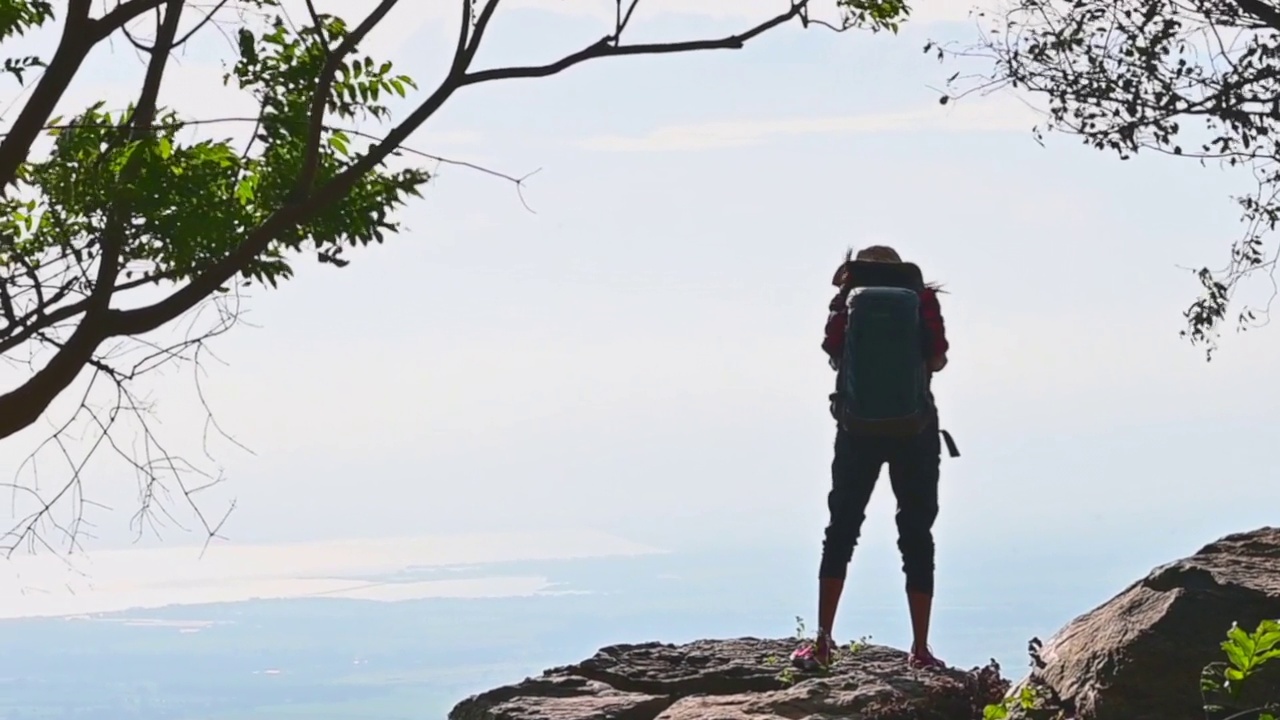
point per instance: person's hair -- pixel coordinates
(879, 253)
(884, 253)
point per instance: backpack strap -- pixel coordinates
(952, 450)
(869, 273)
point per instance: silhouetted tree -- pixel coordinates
(1192, 78)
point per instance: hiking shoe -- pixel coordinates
(924, 660)
(813, 656)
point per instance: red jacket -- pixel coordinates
(930, 314)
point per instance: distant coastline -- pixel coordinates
(389, 569)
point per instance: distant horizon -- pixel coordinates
(491, 565)
(142, 578)
(584, 604)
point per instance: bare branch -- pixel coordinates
(605, 48)
(464, 32)
(462, 62)
(623, 19)
(162, 475)
(120, 16)
(208, 18)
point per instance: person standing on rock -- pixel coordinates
(885, 337)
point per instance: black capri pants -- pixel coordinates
(914, 464)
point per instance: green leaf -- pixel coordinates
(1236, 655)
(338, 141)
(1027, 697)
(244, 190)
(995, 712)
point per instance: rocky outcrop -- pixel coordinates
(1139, 655)
(743, 679)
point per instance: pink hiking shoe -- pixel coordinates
(924, 659)
(813, 656)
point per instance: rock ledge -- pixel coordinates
(739, 679)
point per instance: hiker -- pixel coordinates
(885, 337)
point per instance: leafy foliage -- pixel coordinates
(1223, 684)
(191, 203)
(1024, 699)
(875, 15)
(16, 18)
(1191, 79)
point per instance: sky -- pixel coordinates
(637, 351)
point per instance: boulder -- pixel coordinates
(741, 679)
(1139, 656)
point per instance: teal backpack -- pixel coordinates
(882, 387)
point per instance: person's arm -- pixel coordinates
(833, 337)
(936, 327)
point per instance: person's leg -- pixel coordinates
(854, 471)
(914, 475)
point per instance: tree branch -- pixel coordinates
(324, 85)
(604, 47)
(1265, 12)
(77, 39)
(464, 33)
(101, 28)
(462, 60)
(24, 405)
(208, 18)
(623, 19)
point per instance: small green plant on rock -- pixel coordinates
(1025, 699)
(1034, 700)
(788, 675)
(1222, 684)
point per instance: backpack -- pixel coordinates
(882, 385)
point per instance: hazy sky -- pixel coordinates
(640, 356)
